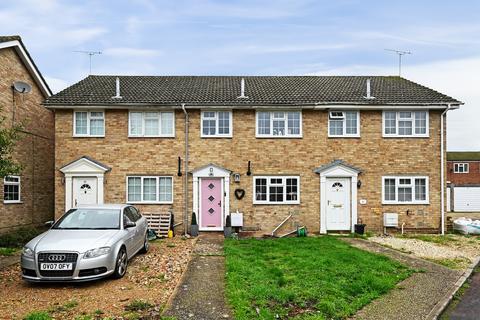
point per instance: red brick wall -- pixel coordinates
(472, 177)
(35, 151)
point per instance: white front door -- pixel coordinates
(84, 191)
(338, 204)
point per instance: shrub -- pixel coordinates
(38, 315)
(19, 237)
(137, 305)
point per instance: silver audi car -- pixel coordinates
(86, 243)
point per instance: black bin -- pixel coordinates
(360, 228)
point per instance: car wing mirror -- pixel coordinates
(49, 223)
(129, 224)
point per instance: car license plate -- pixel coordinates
(56, 266)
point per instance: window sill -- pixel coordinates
(149, 202)
(279, 137)
(87, 136)
(216, 137)
(405, 203)
(149, 137)
(403, 137)
(345, 136)
(276, 203)
(12, 202)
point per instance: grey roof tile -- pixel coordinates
(261, 91)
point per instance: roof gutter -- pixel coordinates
(442, 165)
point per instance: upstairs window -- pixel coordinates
(408, 190)
(151, 124)
(11, 189)
(278, 124)
(89, 123)
(460, 167)
(344, 124)
(405, 123)
(216, 124)
(276, 190)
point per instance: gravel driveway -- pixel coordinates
(151, 277)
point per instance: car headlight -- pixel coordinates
(27, 252)
(97, 252)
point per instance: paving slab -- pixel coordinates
(416, 296)
(201, 293)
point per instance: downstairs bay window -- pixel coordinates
(405, 190)
(276, 190)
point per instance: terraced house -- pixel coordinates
(331, 151)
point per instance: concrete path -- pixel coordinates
(413, 298)
(201, 293)
(469, 305)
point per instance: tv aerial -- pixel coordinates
(90, 55)
(400, 53)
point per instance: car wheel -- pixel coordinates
(146, 245)
(121, 264)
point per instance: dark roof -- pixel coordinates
(261, 91)
(336, 163)
(463, 156)
(10, 38)
(107, 168)
(19, 39)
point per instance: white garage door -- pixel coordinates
(467, 199)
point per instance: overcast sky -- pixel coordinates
(271, 37)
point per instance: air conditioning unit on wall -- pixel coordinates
(390, 219)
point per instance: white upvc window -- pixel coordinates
(276, 190)
(11, 189)
(405, 123)
(344, 124)
(216, 124)
(151, 124)
(149, 189)
(405, 190)
(89, 124)
(279, 124)
(460, 168)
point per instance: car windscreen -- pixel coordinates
(89, 219)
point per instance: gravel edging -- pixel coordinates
(443, 304)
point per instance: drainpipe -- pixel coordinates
(442, 165)
(185, 190)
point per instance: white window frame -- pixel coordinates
(142, 134)
(397, 119)
(457, 165)
(414, 201)
(271, 135)
(13, 183)
(217, 135)
(141, 190)
(284, 184)
(89, 117)
(344, 118)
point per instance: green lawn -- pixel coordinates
(304, 278)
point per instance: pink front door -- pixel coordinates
(212, 203)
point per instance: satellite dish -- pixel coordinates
(22, 87)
